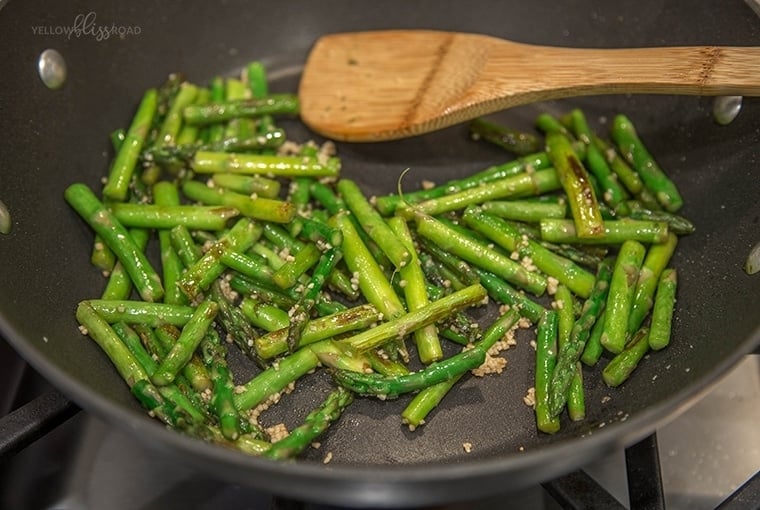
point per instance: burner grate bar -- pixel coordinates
(33, 420)
(642, 463)
(577, 491)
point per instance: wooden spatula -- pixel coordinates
(383, 85)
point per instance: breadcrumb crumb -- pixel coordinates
(253, 414)
(530, 397)
(495, 363)
(277, 432)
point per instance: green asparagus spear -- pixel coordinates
(594, 349)
(387, 204)
(223, 387)
(117, 138)
(101, 256)
(235, 92)
(314, 425)
(373, 283)
(262, 293)
(177, 156)
(479, 254)
(572, 349)
(299, 314)
(633, 149)
(563, 301)
(624, 363)
(102, 333)
(512, 140)
(288, 274)
(655, 262)
(520, 185)
(248, 184)
(299, 192)
(526, 210)
(192, 334)
(613, 193)
(421, 317)
(504, 293)
(115, 235)
(337, 279)
(165, 193)
(621, 294)
(264, 316)
(450, 266)
(205, 162)
(425, 401)
(165, 337)
(179, 394)
(152, 400)
(435, 272)
(576, 183)
(275, 342)
(275, 378)
(184, 245)
(335, 355)
(190, 134)
(316, 230)
(208, 268)
(273, 104)
(548, 123)
(234, 322)
(372, 223)
(169, 216)
(614, 232)
(250, 265)
(264, 209)
(172, 124)
(502, 233)
(546, 359)
(662, 313)
(141, 312)
(428, 398)
(257, 79)
(335, 205)
(392, 387)
(174, 408)
(676, 224)
(619, 167)
(415, 293)
(119, 284)
(131, 340)
(215, 132)
(124, 163)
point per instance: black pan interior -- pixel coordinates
(53, 138)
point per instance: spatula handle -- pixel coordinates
(698, 70)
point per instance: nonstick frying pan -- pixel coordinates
(53, 138)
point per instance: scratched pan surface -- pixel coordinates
(52, 138)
